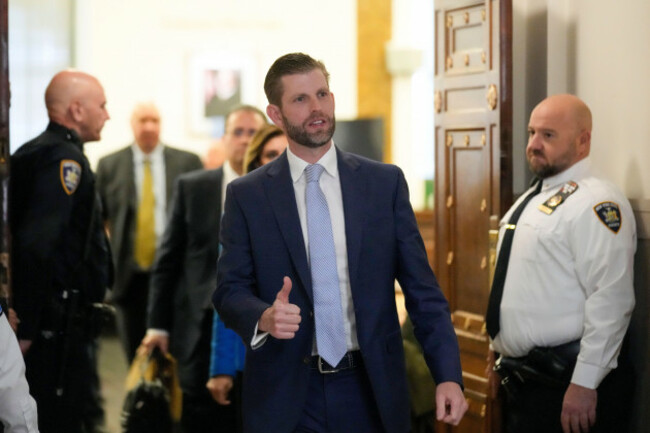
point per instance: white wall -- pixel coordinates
(144, 49)
(613, 70)
(412, 95)
(598, 50)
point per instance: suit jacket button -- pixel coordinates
(311, 314)
(307, 360)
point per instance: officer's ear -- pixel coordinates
(76, 110)
(584, 142)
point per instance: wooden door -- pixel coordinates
(473, 174)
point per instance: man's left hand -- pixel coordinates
(450, 403)
(578, 409)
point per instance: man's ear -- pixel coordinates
(584, 142)
(273, 111)
(76, 111)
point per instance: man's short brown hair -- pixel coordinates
(289, 64)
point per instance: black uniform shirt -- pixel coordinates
(52, 195)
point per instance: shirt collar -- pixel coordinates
(139, 155)
(328, 161)
(229, 174)
(576, 172)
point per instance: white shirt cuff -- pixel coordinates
(157, 332)
(259, 338)
(588, 375)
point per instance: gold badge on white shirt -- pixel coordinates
(549, 206)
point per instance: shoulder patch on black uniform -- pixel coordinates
(558, 198)
(70, 175)
(610, 215)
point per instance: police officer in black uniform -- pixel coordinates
(61, 263)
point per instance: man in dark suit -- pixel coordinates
(184, 276)
(135, 185)
(324, 354)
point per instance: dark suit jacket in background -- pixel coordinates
(116, 186)
(262, 242)
(185, 272)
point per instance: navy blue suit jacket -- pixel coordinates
(262, 242)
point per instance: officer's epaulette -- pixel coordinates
(558, 198)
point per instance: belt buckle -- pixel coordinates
(321, 370)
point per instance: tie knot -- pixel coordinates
(313, 172)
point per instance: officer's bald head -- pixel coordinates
(570, 109)
(559, 134)
(76, 100)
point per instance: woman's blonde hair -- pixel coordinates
(256, 146)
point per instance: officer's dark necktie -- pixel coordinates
(494, 304)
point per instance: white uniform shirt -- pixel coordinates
(570, 276)
(17, 407)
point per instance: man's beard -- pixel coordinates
(299, 134)
(547, 169)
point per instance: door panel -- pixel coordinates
(472, 174)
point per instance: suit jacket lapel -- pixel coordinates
(279, 189)
(353, 190)
(129, 178)
(170, 175)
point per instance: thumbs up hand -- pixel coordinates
(281, 319)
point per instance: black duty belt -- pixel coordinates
(350, 360)
(549, 366)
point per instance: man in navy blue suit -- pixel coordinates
(268, 293)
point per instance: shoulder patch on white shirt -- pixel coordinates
(610, 215)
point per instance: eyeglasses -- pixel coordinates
(240, 132)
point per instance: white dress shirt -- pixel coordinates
(331, 186)
(570, 276)
(17, 407)
(157, 159)
(229, 174)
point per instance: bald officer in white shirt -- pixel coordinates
(17, 407)
(569, 280)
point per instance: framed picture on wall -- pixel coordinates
(217, 83)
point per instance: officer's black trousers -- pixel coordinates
(77, 409)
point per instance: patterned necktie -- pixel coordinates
(493, 315)
(145, 238)
(330, 335)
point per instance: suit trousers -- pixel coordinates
(339, 403)
(201, 414)
(131, 314)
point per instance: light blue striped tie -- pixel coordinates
(330, 335)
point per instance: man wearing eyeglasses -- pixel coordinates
(185, 275)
